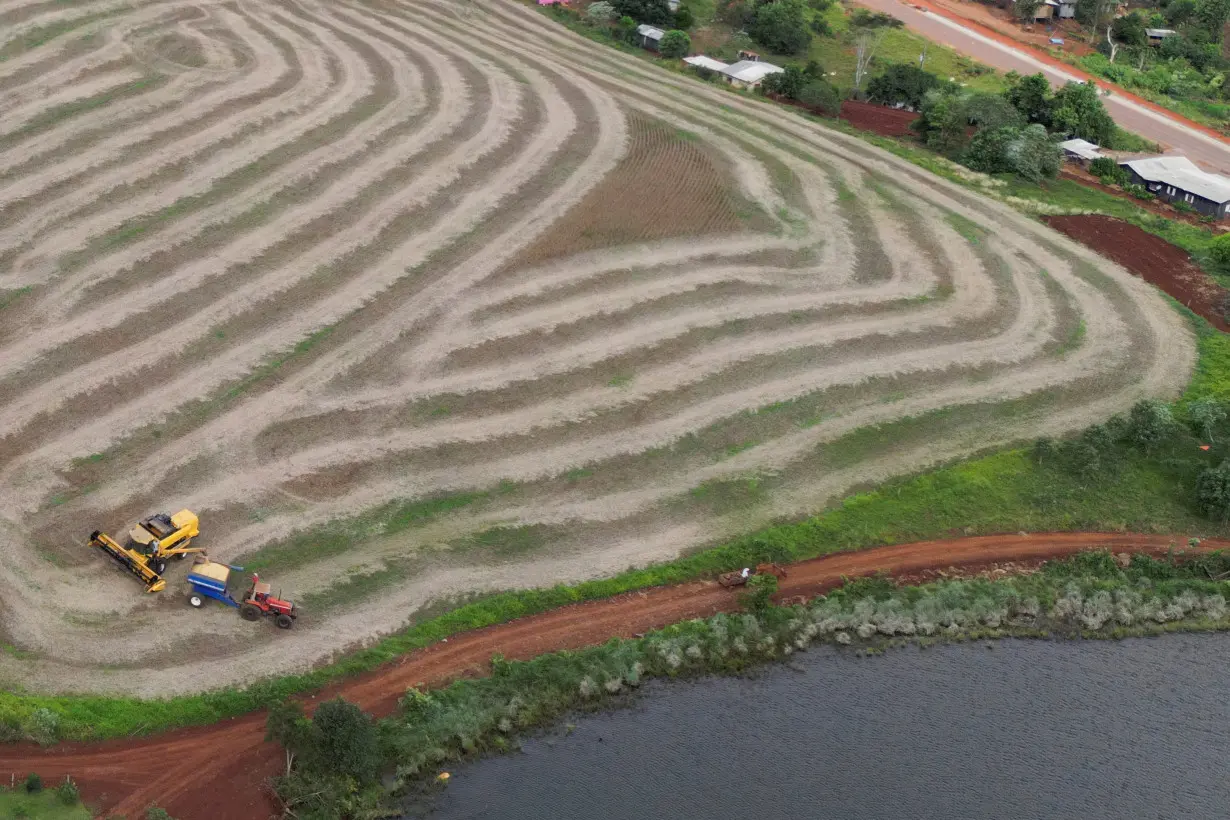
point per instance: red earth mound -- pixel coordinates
(221, 771)
(1151, 258)
(878, 119)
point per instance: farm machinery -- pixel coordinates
(150, 543)
(209, 579)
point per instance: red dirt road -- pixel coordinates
(1150, 257)
(218, 771)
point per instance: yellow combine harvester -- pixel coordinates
(151, 542)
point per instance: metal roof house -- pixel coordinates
(748, 73)
(649, 37)
(1156, 35)
(1081, 150)
(1178, 179)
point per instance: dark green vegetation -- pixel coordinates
(1185, 71)
(34, 800)
(1089, 595)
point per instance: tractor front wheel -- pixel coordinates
(284, 621)
(250, 612)
(159, 566)
(196, 600)
(179, 556)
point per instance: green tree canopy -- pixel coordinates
(1213, 492)
(944, 123)
(684, 19)
(988, 150)
(654, 12)
(787, 83)
(822, 96)
(902, 84)
(675, 43)
(1219, 249)
(1078, 112)
(1033, 155)
(1150, 423)
(1212, 16)
(1031, 96)
(600, 12)
(1130, 30)
(781, 26)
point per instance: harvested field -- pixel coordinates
(1151, 258)
(416, 300)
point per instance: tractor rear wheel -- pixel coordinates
(250, 612)
(196, 600)
(284, 621)
(179, 556)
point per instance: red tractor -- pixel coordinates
(260, 602)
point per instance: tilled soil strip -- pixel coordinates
(220, 770)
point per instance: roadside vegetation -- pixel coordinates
(32, 799)
(342, 763)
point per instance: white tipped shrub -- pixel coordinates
(842, 638)
(588, 688)
(613, 685)
(739, 645)
(1214, 606)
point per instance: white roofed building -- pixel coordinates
(1081, 150)
(1178, 179)
(748, 73)
(649, 37)
(701, 61)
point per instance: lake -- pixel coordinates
(1027, 729)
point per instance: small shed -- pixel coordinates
(1079, 150)
(1067, 9)
(1046, 10)
(1156, 35)
(748, 73)
(649, 37)
(1178, 179)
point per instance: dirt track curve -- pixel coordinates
(218, 771)
(514, 308)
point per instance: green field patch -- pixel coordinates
(17, 804)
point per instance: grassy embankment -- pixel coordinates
(1006, 491)
(1089, 595)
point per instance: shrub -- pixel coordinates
(34, 783)
(684, 19)
(675, 43)
(68, 793)
(1219, 249)
(43, 726)
(1138, 191)
(865, 18)
(653, 12)
(600, 12)
(155, 813)
(1107, 170)
(1213, 492)
(1150, 423)
(1205, 415)
(1182, 207)
(760, 588)
(821, 96)
(781, 27)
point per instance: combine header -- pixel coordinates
(151, 542)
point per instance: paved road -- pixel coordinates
(1207, 150)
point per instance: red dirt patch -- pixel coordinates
(1151, 258)
(879, 119)
(219, 771)
(669, 185)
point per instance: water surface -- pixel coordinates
(1028, 729)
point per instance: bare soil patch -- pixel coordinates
(1152, 258)
(879, 119)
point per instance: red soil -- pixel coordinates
(220, 771)
(879, 119)
(1151, 258)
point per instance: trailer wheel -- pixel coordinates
(250, 612)
(284, 621)
(195, 600)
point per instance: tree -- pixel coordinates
(625, 29)
(1212, 16)
(1130, 30)
(346, 741)
(821, 95)
(990, 111)
(675, 43)
(1026, 9)
(1078, 112)
(1150, 423)
(901, 84)
(600, 12)
(287, 725)
(1095, 13)
(988, 150)
(787, 83)
(1205, 415)
(1213, 492)
(1180, 12)
(1031, 96)
(781, 26)
(944, 122)
(654, 12)
(684, 19)
(1034, 156)
(1219, 249)
(864, 52)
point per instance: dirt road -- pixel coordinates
(1133, 114)
(218, 771)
